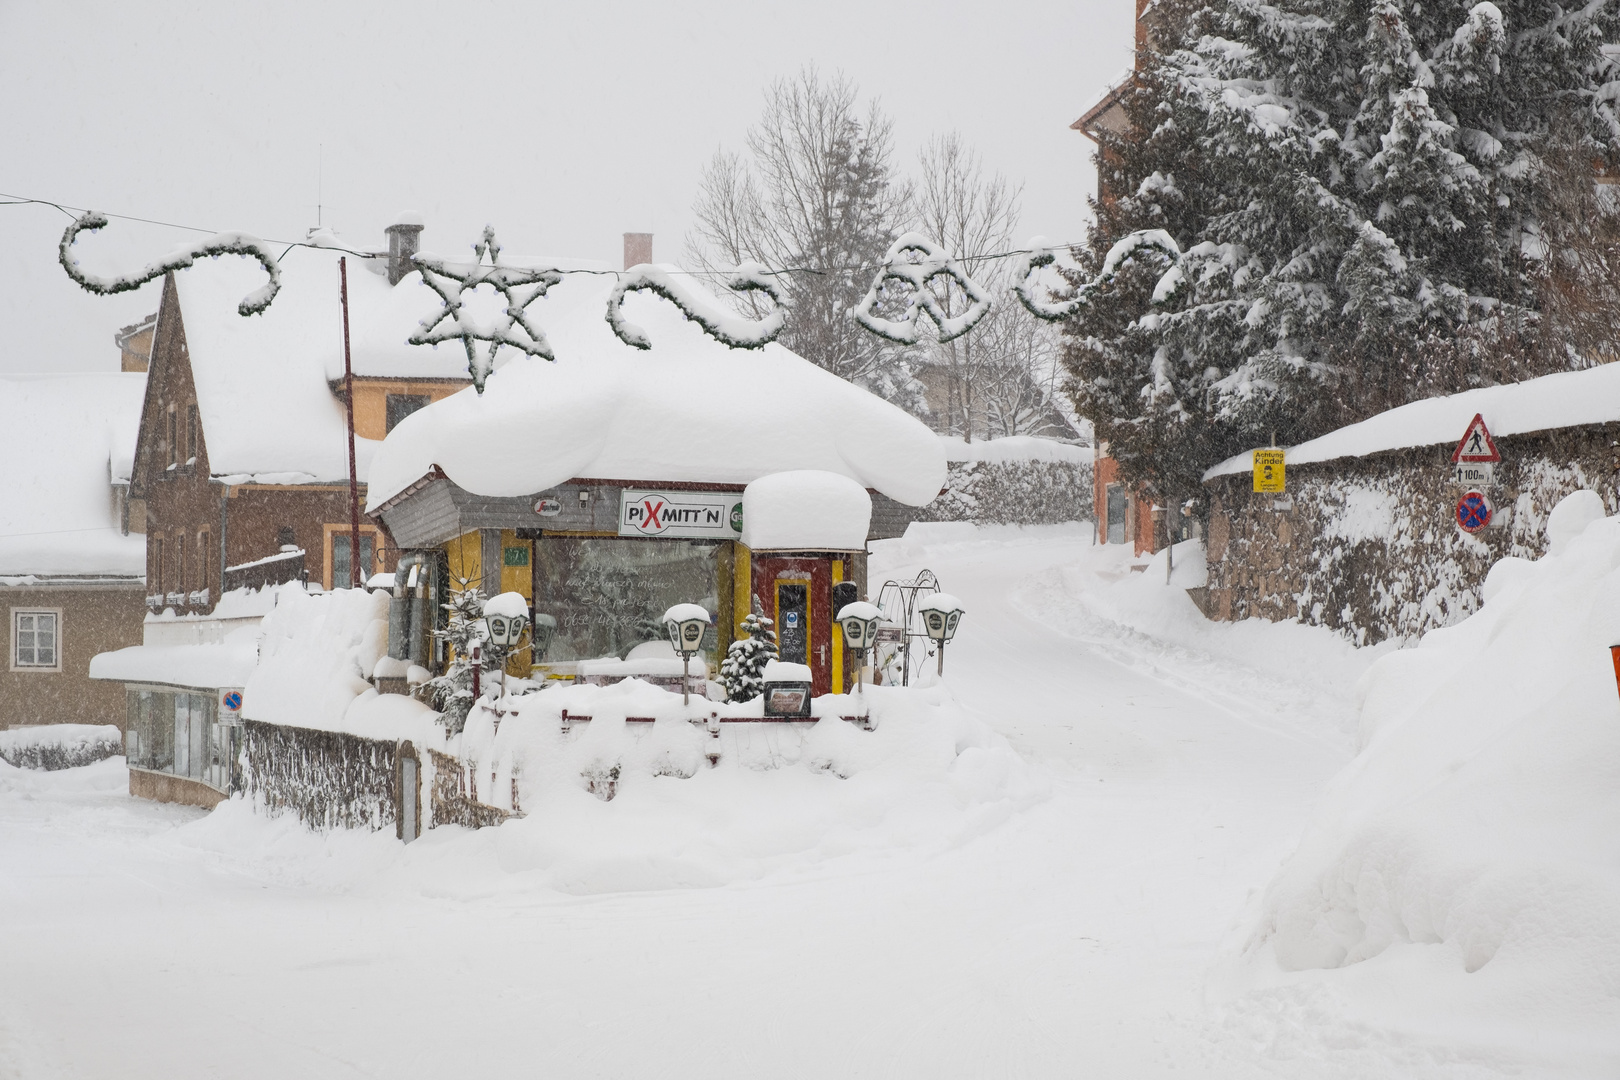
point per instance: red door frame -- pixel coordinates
(767, 570)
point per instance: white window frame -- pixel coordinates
(16, 620)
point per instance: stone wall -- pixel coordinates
(329, 779)
(1370, 547)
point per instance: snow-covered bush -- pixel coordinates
(1477, 834)
(743, 669)
(452, 692)
(59, 746)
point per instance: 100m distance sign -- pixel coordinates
(714, 515)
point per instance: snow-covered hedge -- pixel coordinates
(1014, 492)
(60, 746)
(1473, 847)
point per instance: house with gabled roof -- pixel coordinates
(71, 574)
(241, 467)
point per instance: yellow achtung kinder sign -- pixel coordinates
(1268, 470)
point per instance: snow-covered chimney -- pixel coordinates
(637, 248)
(404, 240)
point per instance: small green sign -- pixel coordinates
(517, 556)
(736, 518)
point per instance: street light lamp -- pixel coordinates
(505, 618)
(686, 625)
(940, 614)
(860, 621)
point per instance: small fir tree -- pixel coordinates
(452, 693)
(743, 670)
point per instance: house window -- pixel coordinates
(174, 439)
(180, 563)
(157, 565)
(402, 405)
(285, 538)
(205, 561)
(191, 433)
(338, 547)
(36, 640)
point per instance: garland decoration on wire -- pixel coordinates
(227, 243)
(1041, 255)
(722, 325)
(915, 260)
(520, 286)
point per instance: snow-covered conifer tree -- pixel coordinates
(743, 670)
(452, 693)
(1358, 190)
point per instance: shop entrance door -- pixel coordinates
(797, 593)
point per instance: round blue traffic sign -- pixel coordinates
(233, 700)
(1473, 512)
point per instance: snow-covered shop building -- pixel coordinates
(610, 484)
(241, 470)
(71, 576)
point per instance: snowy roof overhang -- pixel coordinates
(1565, 399)
(687, 410)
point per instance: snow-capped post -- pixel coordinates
(348, 405)
(226, 243)
(722, 325)
(940, 614)
(915, 260)
(859, 621)
(519, 286)
(686, 624)
(1042, 254)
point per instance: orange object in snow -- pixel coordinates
(1614, 651)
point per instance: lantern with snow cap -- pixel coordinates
(940, 615)
(859, 620)
(506, 617)
(686, 624)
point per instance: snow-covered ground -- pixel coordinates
(1099, 919)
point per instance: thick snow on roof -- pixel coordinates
(806, 510)
(64, 438)
(202, 667)
(1567, 399)
(687, 410)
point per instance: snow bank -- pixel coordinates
(313, 658)
(806, 510)
(1565, 399)
(687, 410)
(928, 775)
(59, 746)
(1472, 849)
(76, 434)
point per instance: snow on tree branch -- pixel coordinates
(915, 260)
(723, 326)
(229, 243)
(1041, 255)
(519, 286)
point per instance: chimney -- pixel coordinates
(404, 240)
(637, 248)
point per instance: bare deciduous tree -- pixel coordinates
(814, 196)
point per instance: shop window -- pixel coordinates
(609, 595)
(341, 544)
(36, 640)
(179, 733)
(1116, 514)
(402, 405)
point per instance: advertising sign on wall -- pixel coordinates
(715, 515)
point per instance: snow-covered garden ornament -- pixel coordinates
(227, 243)
(722, 325)
(1042, 254)
(915, 261)
(520, 286)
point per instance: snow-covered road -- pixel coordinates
(1075, 937)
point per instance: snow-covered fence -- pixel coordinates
(271, 570)
(329, 779)
(455, 795)
(60, 746)
(1368, 544)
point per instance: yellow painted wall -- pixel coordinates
(837, 635)
(371, 401)
(742, 585)
(465, 557)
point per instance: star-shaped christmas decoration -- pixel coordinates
(510, 326)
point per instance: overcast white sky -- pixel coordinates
(564, 125)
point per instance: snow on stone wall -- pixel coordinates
(1369, 545)
(327, 779)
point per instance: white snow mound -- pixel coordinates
(1476, 838)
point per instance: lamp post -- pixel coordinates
(860, 621)
(505, 618)
(940, 614)
(686, 625)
